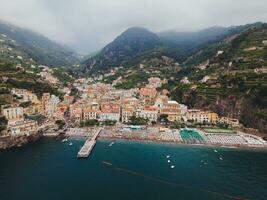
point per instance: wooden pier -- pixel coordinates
(88, 145)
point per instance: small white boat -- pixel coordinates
(215, 151)
(169, 161)
(168, 156)
(70, 144)
(110, 145)
(65, 140)
(220, 158)
(172, 166)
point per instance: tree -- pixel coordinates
(138, 121)
(39, 118)
(74, 92)
(60, 123)
(25, 104)
(90, 122)
(163, 118)
(109, 122)
(222, 125)
(3, 120)
(153, 123)
(3, 123)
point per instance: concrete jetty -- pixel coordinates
(88, 145)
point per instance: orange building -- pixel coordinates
(61, 110)
(148, 92)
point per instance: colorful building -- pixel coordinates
(151, 114)
(172, 109)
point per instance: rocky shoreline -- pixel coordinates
(7, 142)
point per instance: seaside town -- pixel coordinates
(133, 100)
(143, 114)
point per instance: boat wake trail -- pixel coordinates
(134, 173)
(106, 163)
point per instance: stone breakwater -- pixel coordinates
(7, 142)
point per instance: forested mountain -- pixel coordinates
(35, 46)
(137, 43)
(130, 44)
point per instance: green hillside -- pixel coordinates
(136, 45)
(130, 44)
(235, 69)
(237, 84)
(20, 69)
(35, 46)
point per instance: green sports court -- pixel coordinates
(219, 130)
(191, 136)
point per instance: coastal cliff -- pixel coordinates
(7, 142)
(241, 108)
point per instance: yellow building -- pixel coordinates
(213, 117)
(172, 109)
(200, 116)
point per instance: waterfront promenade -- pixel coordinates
(89, 145)
(186, 136)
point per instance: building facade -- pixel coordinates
(202, 116)
(151, 114)
(13, 113)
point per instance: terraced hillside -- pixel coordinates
(13, 77)
(233, 83)
(19, 69)
(11, 51)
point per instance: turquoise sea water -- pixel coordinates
(49, 169)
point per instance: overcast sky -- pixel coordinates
(87, 25)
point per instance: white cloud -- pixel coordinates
(90, 24)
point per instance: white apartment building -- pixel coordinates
(51, 106)
(183, 109)
(126, 114)
(109, 116)
(13, 113)
(149, 113)
(230, 121)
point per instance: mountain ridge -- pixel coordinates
(41, 49)
(176, 45)
(127, 45)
